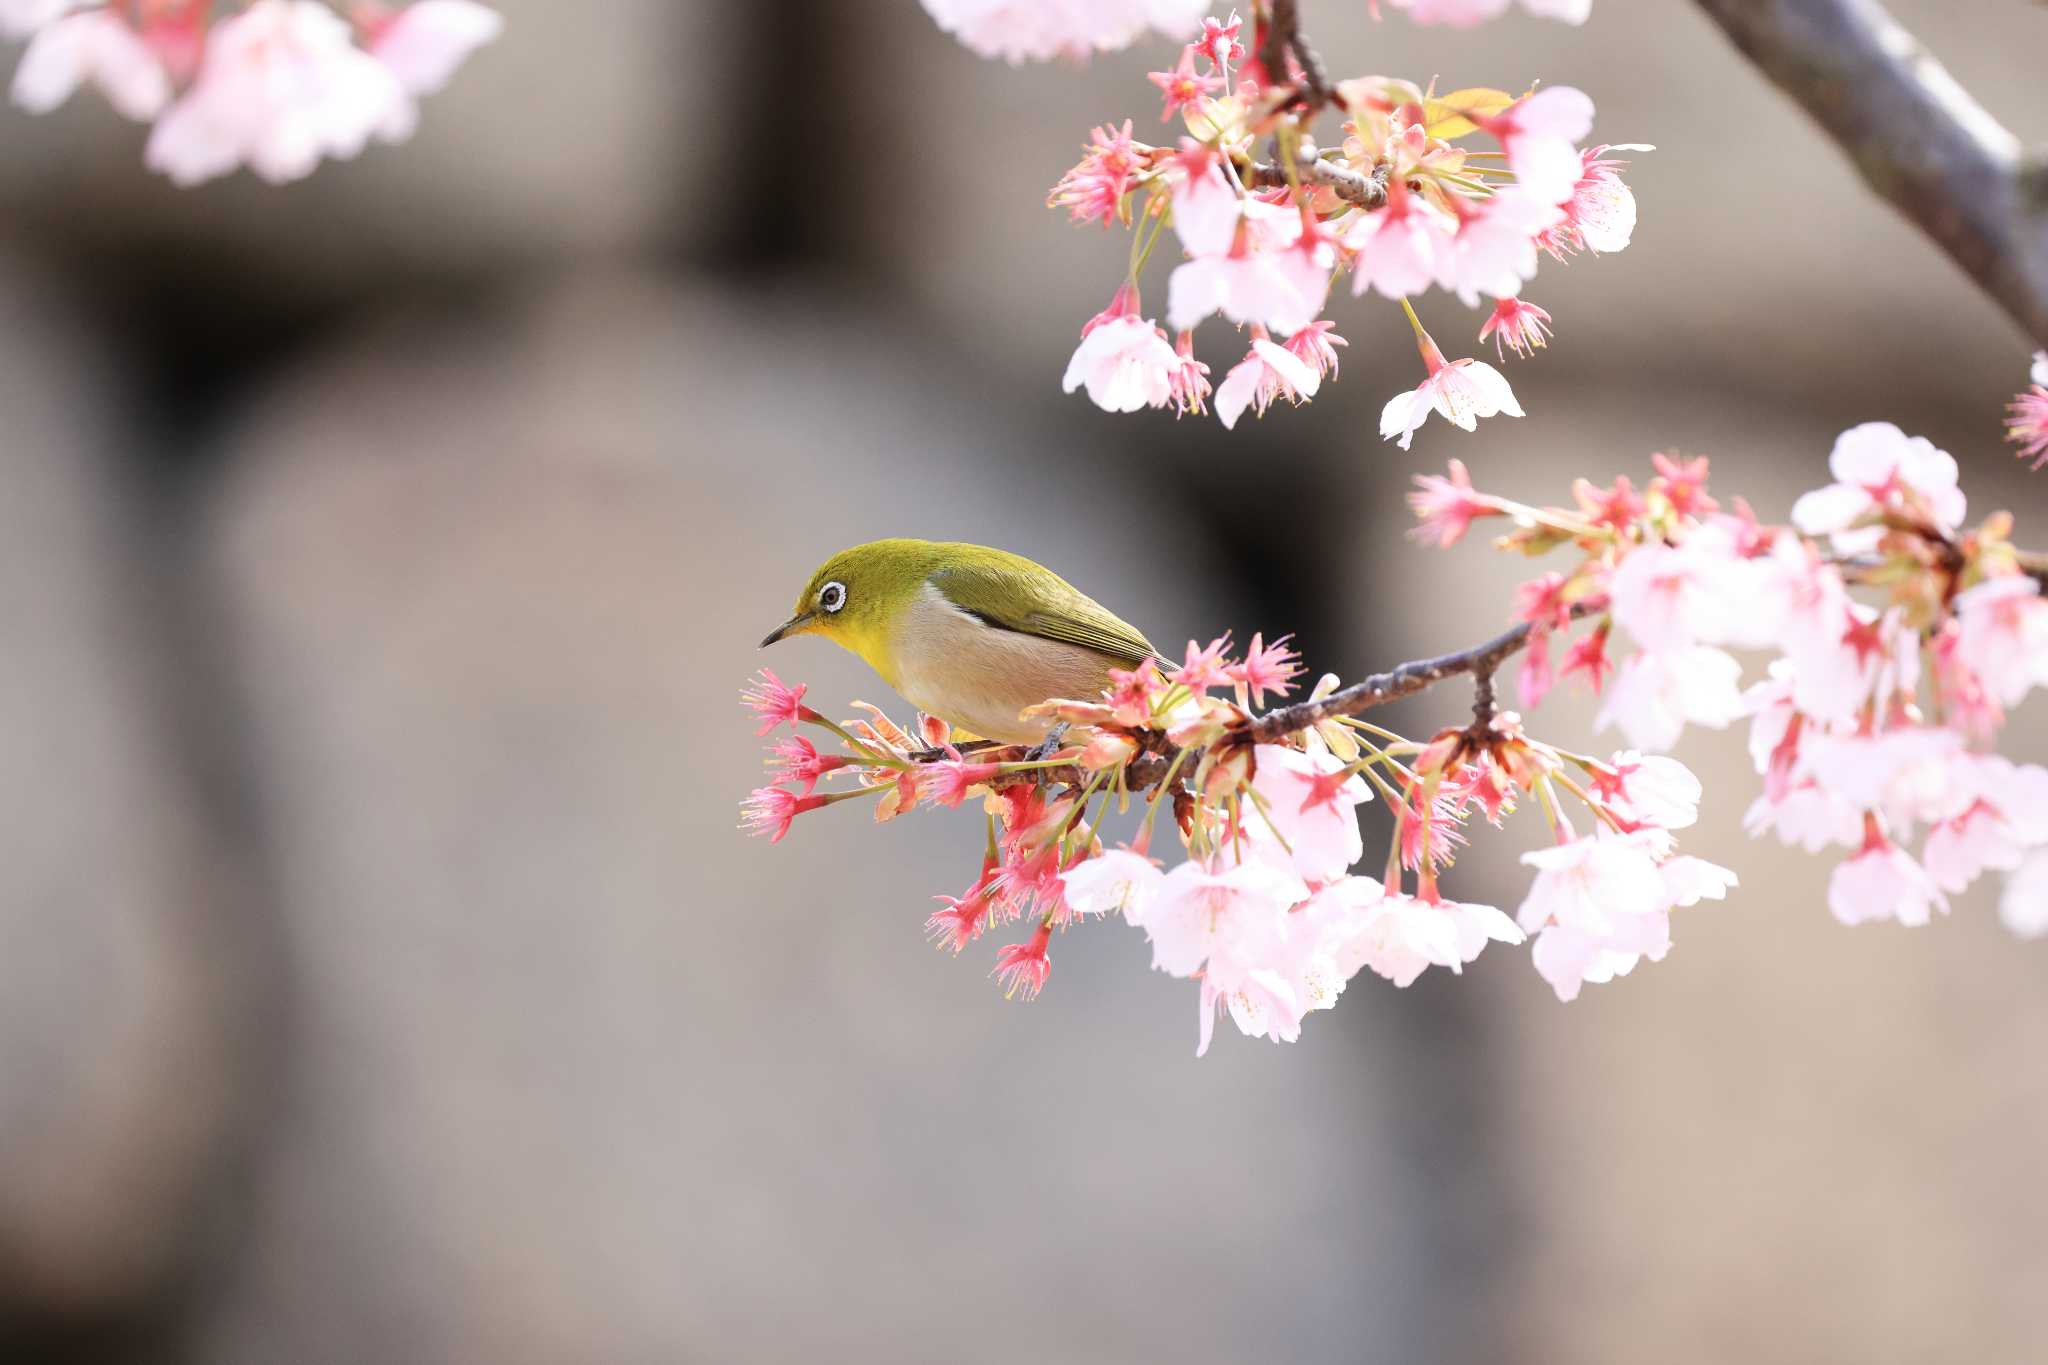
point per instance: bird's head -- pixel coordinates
(857, 597)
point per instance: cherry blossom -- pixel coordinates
(1309, 803)
(1518, 324)
(1034, 30)
(428, 40)
(1268, 371)
(2003, 636)
(1124, 361)
(1883, 882)
(1879, 468)
(1655, 695)
(2027, 424)
(1467, 13)
(1540, 134)
(95, 46)
(1462, 391)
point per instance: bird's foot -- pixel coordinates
(1047, 747)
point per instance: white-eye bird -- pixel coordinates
(970, 634)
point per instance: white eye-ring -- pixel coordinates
(832, 596)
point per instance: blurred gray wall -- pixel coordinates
(383, 977)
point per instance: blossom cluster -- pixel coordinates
(275, 85)
(1894, 637)
(1034, 30)
(1404, 203)
(1264, 905)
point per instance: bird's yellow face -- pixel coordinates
(857, 598)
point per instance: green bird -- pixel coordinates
(969, 634)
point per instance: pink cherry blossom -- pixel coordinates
(1310, 801)
(1189, 391)
(1600, 216)
(1805, 815)
(1268, 371)
(1447, 507)
(1396, 249)
(960, 920)
(1540, 133)
(1022, 968)
(281, 86)
(2003, 814)
(1467, 13)
(1034, 30)
(1093, 189)
(1879, 468)
(1117, 880)
(1265, 668)
(2003, 638)
(1236, 911)
(1494, 248)
(771, 810)
(1316, 347)
(1267, 272)
(1882, 882)
(1182, 86)
(1462, 391)
(1124, 361)
(775, 702)
(1657, 693)
(1649, 789)
(1517, 324)
(425, 42)
(1399, 936)
(96, 46)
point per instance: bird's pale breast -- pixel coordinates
(979, 676)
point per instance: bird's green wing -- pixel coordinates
(1014, 594)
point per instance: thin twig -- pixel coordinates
(1919, 139)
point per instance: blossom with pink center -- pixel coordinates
(1117, 880)
(1462, 391)
(1882, 882)
(2027, 425)
(1205, 666)
(1268, 270)
(1316, 347)
(1617, 506)
(426, 41)
(1878, 469)
(2023, 907)
(771, 811)
(1600, 216)
(1911, 772)
(1265, 668)
(1021, 968)
(1468, 13)
(962, 918)
(2003, 636)
(1649, 789)
(1494, 249)
(100, 47)
(1219, 41)
(1235, 911)
(1447, 507)
(1124, 361)
(1132, 694)
(1805, 815)
(1093, 189)
(951, 781)
(1310, 802)
(776, 702)
(1035, 30)
(1517, 325)
(1540, 134)
(1268, 371)
(797, 762)
(1183, 87)
(1588, 655)
(1600, 904)
(1396, 249)
(1682, 484)
(1665, 596)
(282, 85)
(1399, 936)
(2005, 816)
(1657, 693)
(1189, 389)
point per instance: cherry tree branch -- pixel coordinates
(1919, 139)
(1366, 191)
(1282, 37)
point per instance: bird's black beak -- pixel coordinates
(796, 622)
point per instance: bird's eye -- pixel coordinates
(832, 596)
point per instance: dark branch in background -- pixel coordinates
(1366, 191)
(1282, 36)
(1917, 137)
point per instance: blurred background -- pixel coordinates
(382, 977)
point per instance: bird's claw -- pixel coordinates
(1047, 747)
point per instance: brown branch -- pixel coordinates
(1918, 138)
(1283, 36)
(1366, 191)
